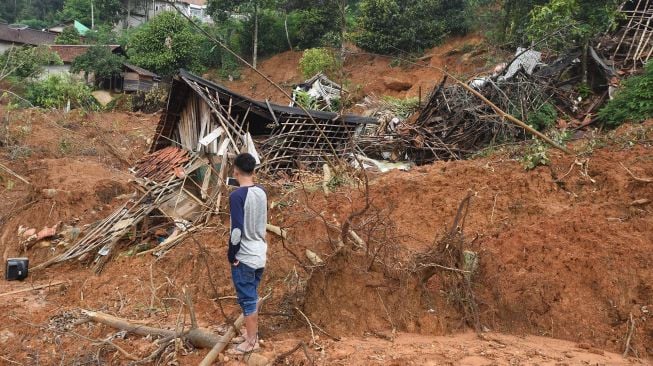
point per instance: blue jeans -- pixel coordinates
(246, 280)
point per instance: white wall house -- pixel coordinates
(141, 11)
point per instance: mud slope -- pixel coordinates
(564, 250)
(366, 74)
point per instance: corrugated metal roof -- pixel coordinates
(25, 35)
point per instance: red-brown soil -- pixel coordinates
(364, 73)
(565, 252)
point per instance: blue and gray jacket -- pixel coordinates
(249, 209)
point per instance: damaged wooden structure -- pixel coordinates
(285, 138)
(318, 92)
(634, 39)
(181, 182)
(455, 123)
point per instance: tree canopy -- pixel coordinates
(98, 60)
(26, 62)
(392, 26)
(69, 35)
(165, 44)
(104, 11)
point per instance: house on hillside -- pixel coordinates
(140, 12)
(68, 53)
(209, 119)
(81, 28)
(135, 79)
(19, 35)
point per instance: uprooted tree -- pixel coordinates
(390, 290)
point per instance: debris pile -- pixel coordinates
(319, 93)
(168, 182)
(632, 45)
(455, 123)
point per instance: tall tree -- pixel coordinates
(90, 12)
(99, 61)
(165, 44)
(222, 9)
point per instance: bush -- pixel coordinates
(317, 60)
(56, 90)
(151, 101)
(633, 102)
(543, 118)
(24, 62)
(535, 155)
(69, 35)
(165, 44)
(393, 26)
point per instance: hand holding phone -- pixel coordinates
(232, 182)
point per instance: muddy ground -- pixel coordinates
(564, 256)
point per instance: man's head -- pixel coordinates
(244, 166)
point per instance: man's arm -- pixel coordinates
(237, 213)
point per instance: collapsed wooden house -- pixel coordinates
(207, 118)
(180, 183)
(634, 39)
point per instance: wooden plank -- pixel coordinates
(32, 288)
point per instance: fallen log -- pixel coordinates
(276, 230)
(222, 342)
(198, 337)
(32, 288)
(6, 169)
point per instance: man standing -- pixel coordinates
(247, 246)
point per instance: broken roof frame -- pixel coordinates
(183, 177)
(635, 45)
(293, 141)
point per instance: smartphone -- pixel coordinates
(232, 182)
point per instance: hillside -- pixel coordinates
(368, 74)
(564, 253)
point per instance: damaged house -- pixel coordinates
(205, 117)
(180, 183)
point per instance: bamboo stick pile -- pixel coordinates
(455, 124)
(635, 45)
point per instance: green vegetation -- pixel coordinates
(165, 44)
(543, 118)
(536, 155)
(316, 60)
(98, 60)
(633, 102)
(104, 11)
(57, 91)
(567, 23)
(392, 26)
(402, 108)
(69, 35)
(26, 62)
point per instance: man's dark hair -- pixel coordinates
(245, 162)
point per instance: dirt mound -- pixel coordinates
(347, 297)
(75, 163)
(564, 249)
(463, 56)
